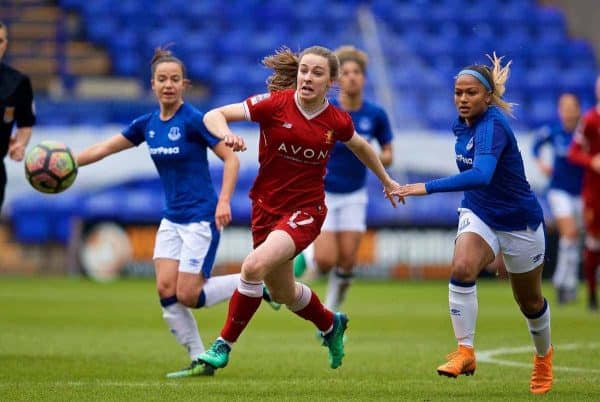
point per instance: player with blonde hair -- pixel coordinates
(499, 213)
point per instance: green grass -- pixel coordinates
(70, 339)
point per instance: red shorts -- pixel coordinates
(591, 217)
(302, 224)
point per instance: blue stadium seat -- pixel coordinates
(38, 218)
(549, 18)
(542, 81)
(578, 52)
(541, 110)
(440, 112)
(577, 80)
(127, 63)
(200, 65)
(103, 28)
(216, 39)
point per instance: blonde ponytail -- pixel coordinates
(499, 75)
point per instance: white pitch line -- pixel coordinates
(488, 356)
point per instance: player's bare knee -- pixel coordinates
(253, 269)
(530, 305)
(325, 263)
(463, 270)
(187, 297)
(346, 263)
(165, 289)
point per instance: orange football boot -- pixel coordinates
(541, 378)
(461, 361)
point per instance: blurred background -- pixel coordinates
(89, 65)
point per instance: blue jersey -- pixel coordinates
(178, 149)
(345, 172)
(565, 175)
(507, 202)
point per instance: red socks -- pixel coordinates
(241, 310)
(316, 312)
(591, 259)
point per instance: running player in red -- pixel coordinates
(585, 151)
(298, 129)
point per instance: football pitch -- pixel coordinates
(71, 339)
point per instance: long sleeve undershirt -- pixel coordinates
(480, 175)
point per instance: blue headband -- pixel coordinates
(477, 75)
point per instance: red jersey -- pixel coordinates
(294, 149)
(586, 144)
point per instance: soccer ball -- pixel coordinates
(50, 167)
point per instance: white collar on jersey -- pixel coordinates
(314, 114)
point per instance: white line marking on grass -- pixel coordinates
(489, 356)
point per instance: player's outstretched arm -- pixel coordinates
(102, 149)
(216, 121)
(410, 189)
(367, 155)
(480, 175)
(386, 156)
(231, 168)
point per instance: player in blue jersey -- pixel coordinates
(345, 193)
(188, 236)
(499, 213)
(564, 194)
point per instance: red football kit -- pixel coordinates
(288, 193)
(585, 146)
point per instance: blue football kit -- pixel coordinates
(345, 172)
(492, 174)
(566, 176)
(178, 149)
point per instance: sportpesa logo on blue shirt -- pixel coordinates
(461, 158)
(164, 151)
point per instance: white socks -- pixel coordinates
(303, 298)
(220, 288)
(565, 275)
(539, 327)
(463, 312)
(183, 325)
(337, 286)
(462, 299)
(181, 321)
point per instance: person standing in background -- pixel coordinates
(564, 194)
(16, 107)
(585, 151)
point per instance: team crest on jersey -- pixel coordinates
(174, 133)
(151, 133)
(259, 98)
(329, 137)
(364, 124)
(470, 144)
(9, 114)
